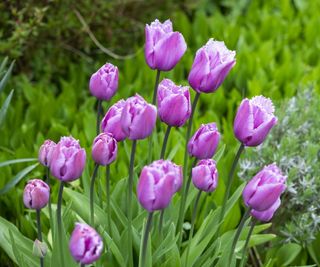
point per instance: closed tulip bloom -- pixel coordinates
(111, 123)
(265, 188)
(254, 120)
(266, 215)
(36, 194)
(210, 67)
(157, 184)
(138, 118)
(68, 160)
(104, 83)
(85, 244)
(205, 175)
(104, 149)
(204, 142)
(164, 48)
(174, 105)
(45, 152)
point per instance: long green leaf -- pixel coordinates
(6, 77)
(4, 108)
(3, 64)
(14, 161)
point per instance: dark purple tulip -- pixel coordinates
(104, 149)
(138, 118)
(205, 175)
(204, 142)
(164, 48)
(266, 215)
(254, 120)
(85, 244)
(210, 67)
(45, 152)
(36, 194)
(174, 105)
(104, 83)
(265, 188)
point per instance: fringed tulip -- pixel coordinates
(205, 175)
(104, 149)
(36, 194)
(45, 152)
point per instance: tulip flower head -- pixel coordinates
(174, 105)
(205, 175)
(138, 118)
(254, 120)
(68, 160)
(266, 215)
(210, 67)
(111, 123)
(36, 194)
(264, 189)
(104, 149)
(45, 152)
(164, 48)
(85, 244)
(104, 83)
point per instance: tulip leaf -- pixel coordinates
(15, 161)
(220, 153)
(3, 64)
(6, 76)
(287, 254)
(5, 106)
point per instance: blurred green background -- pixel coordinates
(57, 45)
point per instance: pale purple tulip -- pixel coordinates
(164, 48)
(36, 194)
(174, 105)
(266, 215)
(205, 175)
(254, 120)
(210, 67)
(111, 123)
(104, 149)
(204, 142)
(104, 83)
(138, 118)
(85, 244)
(265, 188)
(45, 152)
(68, 160)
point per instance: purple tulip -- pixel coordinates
(254, 120)
(157, 184)
(104, 83)
(36, 194)
(164, 48)
(45, 152)
(210, 67)
(104, 149)
(205, 175)
(138, 118)
(266, 215)
(68, 160)
(85, 244)
(111, 123)
(265, 188)
(204, 142)
(174, 105)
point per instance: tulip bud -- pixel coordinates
(85, 244)
(205, 175)
(104, 149)
(254, 120)
(210, 67)
(204, 142)
(174, 105)
(68, 160)
(266, 215)
(104, 83)
(265, 188)
(138, 118)
(45, 152)
(164, 48)
(36, 194)
(157, 184)
(39, 249)
(111, 123)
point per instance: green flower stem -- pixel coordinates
(243, 258)
(129, 202)
(108, 198)
(82, 265)
(99, 111)
(238, 233)
(193, 218)
(142, 262)
(39, 233)
(49, 203)
(165, 141)
(59, 222)
(93, 178)
(161, 222)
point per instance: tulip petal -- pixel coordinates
(259, 134)
(199, 70)
(243, 122)
(164, 191)
(145, 190)
(266, 215)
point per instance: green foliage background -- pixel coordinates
(277, 55)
